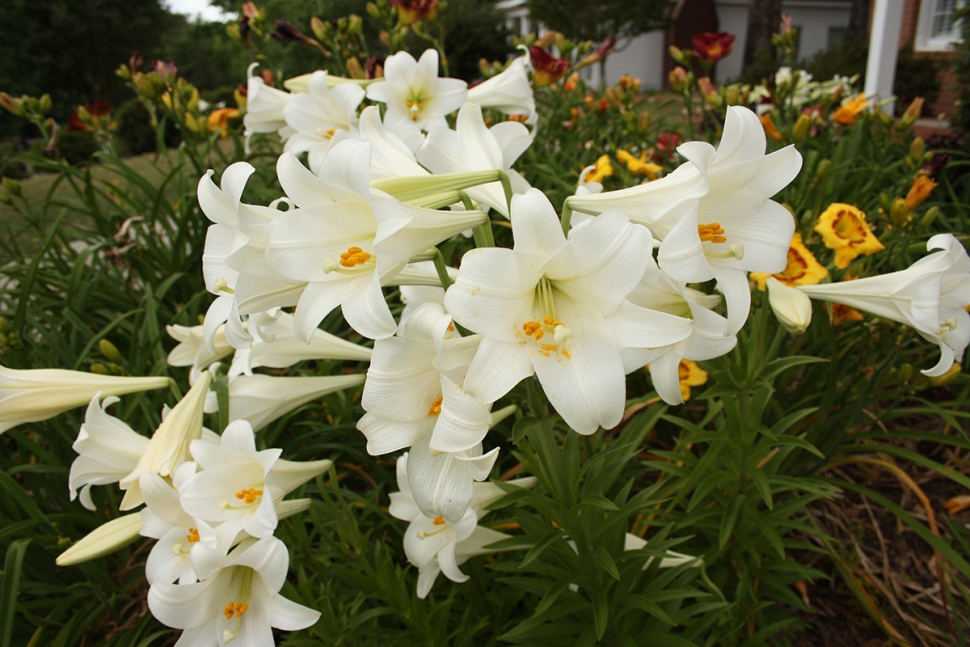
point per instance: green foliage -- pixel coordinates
(596, 20)
(135, 134)
(917, 77)
(204, 53)
(848, 59)
(77, 146)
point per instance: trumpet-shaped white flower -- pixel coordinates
(708, 331)
(436, 547)
(239, 488)
(414, 93)
(169, 445)
(509, 91)
(319, 114)
(38, 394)
(558, 309)
(264, 108)
(475, 147)
(929, 295)
(414, 397)
(109, 450)
(192, 349)
(261, 399)
(237, 599)
(391, 156)
(345, 242)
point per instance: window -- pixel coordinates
(936, 29)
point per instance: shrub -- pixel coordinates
(135, 134)
(77, 146)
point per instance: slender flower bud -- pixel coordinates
(39, 394)
(104, 539)
(792, 307)
(801, 128)
(900, 213)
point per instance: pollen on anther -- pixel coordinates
(711, 233)
(439, 521)
(249, 496)
(193, 535)
(235, 609)
(353, 257)
(435, 408)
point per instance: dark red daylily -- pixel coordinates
(412, 11)
(546, 69)
(711, 46)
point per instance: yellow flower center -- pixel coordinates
(193, 535)
(249, 496)
(354, 257)
(439, 521)
(435, 407)
(236, 609)
(712, 233)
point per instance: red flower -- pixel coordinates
(546, 69)
(412, 11)
(713, 47)
(666, 145)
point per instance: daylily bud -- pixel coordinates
(45, 105)
(13, 106)
(355, 69)
(100, 369)
(319, 28)
(801, 128)
(769, 126)
(678, 55)
(373, 11)
(913, 112)
(546, 69)
(900, 213)
(929, 217)
(104, 539)
(823, 169)
(110, 351)
(123, 72)
(916, 149)
(946, 378)
(643, 122)
(905, 372)
(791, 306)
(677, 79)
(355, 25)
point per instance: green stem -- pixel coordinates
(442, 269)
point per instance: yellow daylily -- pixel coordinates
(843, 228)
(604, 168)
(848, 113)
(801, 268)
(690, 374)
(638, 164)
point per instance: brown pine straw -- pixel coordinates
(887, 464)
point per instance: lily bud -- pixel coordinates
(929, 217)
(900, 213)
(823, 169)
(801, 128)
(105, 539)
(319, 28)
(13, 106)
(916, 149)
(913, 112)
(791, 306)
(677, 79)
(946, 378)
(678, 55)
(45, 105)
(110, 351)
(355, 69)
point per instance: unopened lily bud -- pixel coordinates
(234, 32)
(913, 112)
(45, 105)
(100, 369)
(319, 28)
(12, 186)
(373, 11)
(643, 122)
(677, 79)
(823, 169)
(900, 213)
(884, 202)
(946, 378)
(929, 217)
(355, 24)
(193, 124)
(791, 306)
(886, 118)
(678, 54)
(105, 539)
(123, 72)
(916, 149)
(355, 69)
(384, 37)
(110, 351)
(13, 106)
(801, 128)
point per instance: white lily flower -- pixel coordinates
(239, 488)
(169, 445)
(275, 346)
(437, 547)
(558, 309)
(108, 450)
(345, 241)
(791, 306)
(38, 394)
(391, 156)
(708, 336)
(319, 114)
(264, 107)
(192, 349)
(509, 91)
(237, 599)
(929, 295)
(261, 399)
(673, 558)
(475, 147)
(176, 531)
(413, 92)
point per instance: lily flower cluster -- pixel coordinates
(606, 284)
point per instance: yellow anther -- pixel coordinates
(712, 233)
(415, 108)
(249, 496)
(235, 609)
(435, 406)
(353, 257)
(439, 521)
(193, 535)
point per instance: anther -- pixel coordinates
(435, 406)
(712, 233)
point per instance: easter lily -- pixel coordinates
(237, 598)
(509, 91)
(414, 93)
(318, 114)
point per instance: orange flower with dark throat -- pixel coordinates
(545, 68)
(711, 46)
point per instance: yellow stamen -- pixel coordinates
(235, 609)
(353, 257)
(249, 496)
(712, 233)
(193, 535)
(439, 521)
(435, 407)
